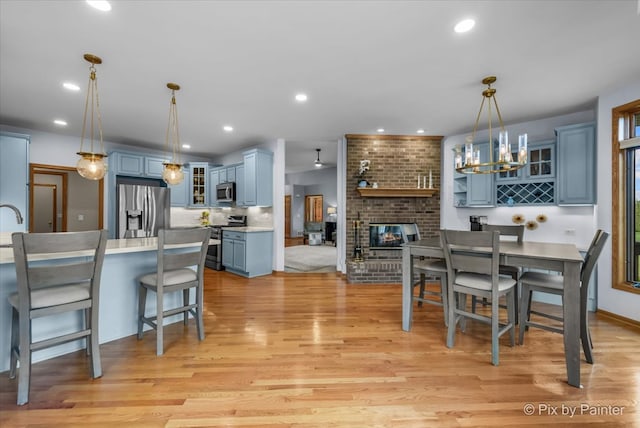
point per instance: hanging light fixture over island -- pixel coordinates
(91, 164)
(172, 172)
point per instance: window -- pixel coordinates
(626, 196)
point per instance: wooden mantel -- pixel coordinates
(390, 192)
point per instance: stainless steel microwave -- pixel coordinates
(226, 192)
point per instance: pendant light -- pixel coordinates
(469, 162)
(92, 165)
(172, 172)
(317, 163)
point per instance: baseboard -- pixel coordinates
(618, 319)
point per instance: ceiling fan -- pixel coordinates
(317, 163)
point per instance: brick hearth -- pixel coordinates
(396, 162)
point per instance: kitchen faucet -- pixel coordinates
(17, 211)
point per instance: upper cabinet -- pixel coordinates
(534, 183)
(576, 164)
(14, 180)
(474, 190)
(199, 184)
(180, 191)
(135, 164)
(258, 178)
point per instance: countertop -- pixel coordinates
(248, 229)
(114, 246)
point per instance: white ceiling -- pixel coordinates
(364, 65)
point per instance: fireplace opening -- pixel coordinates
(390, 236)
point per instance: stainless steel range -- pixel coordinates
(214, 253)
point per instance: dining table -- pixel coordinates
(558, 257)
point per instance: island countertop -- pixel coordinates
(114, 246)
(248, 229)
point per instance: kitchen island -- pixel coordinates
(125, 260)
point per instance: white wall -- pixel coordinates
(612, 300)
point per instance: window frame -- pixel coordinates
(619, 186)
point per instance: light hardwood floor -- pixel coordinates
(310, 350)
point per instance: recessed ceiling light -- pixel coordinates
(301, 97)
(464, 25)
(60, 122)
(71, 86)
(186, 146)
(228, 128)
(420, 131)
(102, 5)
(380, 129)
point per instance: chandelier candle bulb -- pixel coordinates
(424, 182)
(522, 148)
(418, 181)
(430, 180)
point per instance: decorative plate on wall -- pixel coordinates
(517, 218)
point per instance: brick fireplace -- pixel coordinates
(395, 163)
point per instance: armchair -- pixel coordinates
(312, 227)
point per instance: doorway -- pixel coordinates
(60, 200)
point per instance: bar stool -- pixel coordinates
(178, 251)
(52, 284)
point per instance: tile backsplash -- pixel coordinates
(256, 216)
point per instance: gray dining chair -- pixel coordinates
(181, 257)
(553, 284)
(508, 232)
(51, 282)
(473, 269)
(436, 268)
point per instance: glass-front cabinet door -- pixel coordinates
(199, 172)
(540, 164)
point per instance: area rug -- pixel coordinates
(310, 258)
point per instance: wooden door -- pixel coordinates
(287, 216)
(313, 208)
(45, 208)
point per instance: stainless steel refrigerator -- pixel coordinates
(142, 210)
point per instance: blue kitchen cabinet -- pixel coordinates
(480, 187)
(127, 164)
(153, 167)
(247, 254)
(474, 190)
(198, 184)
(240, 185)
(135, 165)
(576, 175)
(214, 180)
(258, 178)
(14, 180)
(535, 182)
(180, 191)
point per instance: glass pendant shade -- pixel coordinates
(91, 165)
(172, 173)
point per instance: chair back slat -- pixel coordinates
(60, 242)
(476, 252)
(509, 231)
(47, 276)
(180, 260)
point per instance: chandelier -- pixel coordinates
(91, 164)
(469, 162)
(172, 172)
